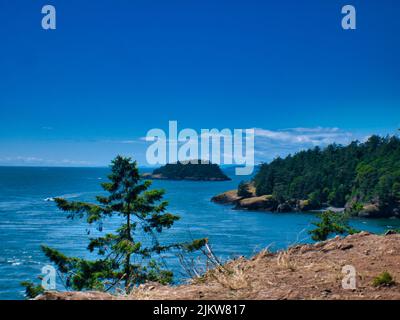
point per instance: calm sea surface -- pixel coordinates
(27, 221)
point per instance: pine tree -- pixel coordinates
(244, 190)
(125, 261)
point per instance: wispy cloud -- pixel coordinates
(313, 136)
(128, 141)
(122, 141)
(37, 161)
(272, 143)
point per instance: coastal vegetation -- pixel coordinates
(362, 179)
(244, 190)
(331, 223)
(127, 257)
(384, 279)
(193, 170)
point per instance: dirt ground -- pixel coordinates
(301, 272)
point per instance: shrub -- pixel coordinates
(331, 223)
(384, 279)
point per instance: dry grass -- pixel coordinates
(285, 261)
(302, 272)
(233, 278)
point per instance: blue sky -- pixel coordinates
(113, 70)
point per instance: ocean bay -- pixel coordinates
(27, 221)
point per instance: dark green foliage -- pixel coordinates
(355, 208)
(125, 258)
(384, 279)
(244, 190)
(360, 172)
(192, 170)
(32, 290)
(196, 245)
(331, 223)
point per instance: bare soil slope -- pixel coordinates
(302, 272)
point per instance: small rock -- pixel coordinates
(326, 291)
(345, 246)
(284, 207)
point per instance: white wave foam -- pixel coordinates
(64, 196)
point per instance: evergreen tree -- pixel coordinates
(125, 259)
(244, 190)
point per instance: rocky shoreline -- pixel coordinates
(268, 203)
(263, 203)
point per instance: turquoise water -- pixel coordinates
(27, 221)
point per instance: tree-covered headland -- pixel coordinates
(363, 177)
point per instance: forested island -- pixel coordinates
(194, 170)
(362, 179)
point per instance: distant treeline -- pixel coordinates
(337, 175)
